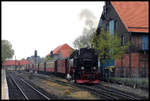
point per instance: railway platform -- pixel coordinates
(4, 86)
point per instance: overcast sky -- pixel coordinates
(43, 26)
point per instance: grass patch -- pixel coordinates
(56, 85)
(69, 90)
(82, 95)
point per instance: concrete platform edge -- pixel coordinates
(5, 93)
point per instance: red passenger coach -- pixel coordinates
(41, 67)
(61, 67)
(50, 66)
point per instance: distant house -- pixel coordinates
(60, 52)
(15, 63)
(32, 59)
(130, 20)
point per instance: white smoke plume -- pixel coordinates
(89, 27)
(88, 17)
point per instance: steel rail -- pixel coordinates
(106, 92)
(102, 92)
(77, 85)
(35, 89)
(119, 93)
(98, 93)
(19, 87)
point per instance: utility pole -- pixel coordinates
(35, 57)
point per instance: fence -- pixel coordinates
(135, 77)
(129, 72)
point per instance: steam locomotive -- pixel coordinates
(83, 66)
(80, 67)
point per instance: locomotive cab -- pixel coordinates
(85, 66)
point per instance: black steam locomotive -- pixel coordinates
(83, 66)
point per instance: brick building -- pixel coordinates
(130, 20)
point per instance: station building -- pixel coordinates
(130, 20)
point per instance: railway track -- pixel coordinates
(26, 90)
(103, 91)
(119, 93)
(12, 87)
(113, 94)
(100, 91)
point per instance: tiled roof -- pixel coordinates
(57, 49)
(134, 14)
(66, 53)
(64, 49)
(15, 62)
(22, 62)
(10, 62)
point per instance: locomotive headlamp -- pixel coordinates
(94, 68)
(82, 68)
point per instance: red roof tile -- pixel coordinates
(133, 14)
(23, 62)
(10, 62)
(56, 50)
(64, 49)
(15, 62)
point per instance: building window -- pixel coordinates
(111, 27)
(115, 25)
(122, 40)
(145, 42)
(100, 23)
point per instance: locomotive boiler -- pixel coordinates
(83, 66)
